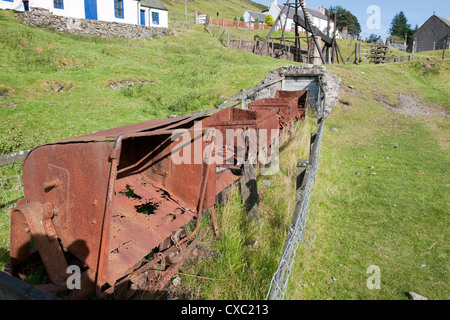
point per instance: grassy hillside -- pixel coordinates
(228, 9)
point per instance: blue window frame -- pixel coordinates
(9, 0)
(118, 8)
(58, 4)
(155, 17)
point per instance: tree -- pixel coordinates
(344, 19)
(401, 28)
(269, 20)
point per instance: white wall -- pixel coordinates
(247, 17)
(73, 9)
(15, 5)
(163, 18)
(105, 11)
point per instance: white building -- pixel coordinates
(320, 20)
(253, 16)
(151, 13)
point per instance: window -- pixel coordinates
(155, 17)
(9, 0)
(118, 8)
(58, 4)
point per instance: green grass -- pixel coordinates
(397, 218)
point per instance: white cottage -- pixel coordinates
(145, 12)
(320, 20)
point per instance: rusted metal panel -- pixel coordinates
(286, 108)
(300, 95)
(109, 212)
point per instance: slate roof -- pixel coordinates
(261, 16)
(155, 4)
(446, 21)
(313, 12)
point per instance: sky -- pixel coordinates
(416, 11)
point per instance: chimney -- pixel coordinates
(322, 10)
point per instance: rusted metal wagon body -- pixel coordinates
(237, 126)
(118, 201)
(300, 95)
(286, 109)
(109, 199)
(238, 129)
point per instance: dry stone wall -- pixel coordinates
(90, 27)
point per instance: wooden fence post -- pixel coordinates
(445, 47)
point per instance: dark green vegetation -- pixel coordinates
(344, 19)
(400, 27)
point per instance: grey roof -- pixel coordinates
(317, 14)
(446, 21)
(155, 4)
(261, 16)
(289, 12)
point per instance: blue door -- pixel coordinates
(90, 9)
(143, 17)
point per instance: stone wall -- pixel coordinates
(90, 27)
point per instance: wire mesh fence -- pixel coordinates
(287, 280)
(11, 188)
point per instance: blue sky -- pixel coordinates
(417, 11)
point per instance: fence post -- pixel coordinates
(356, 53)
(443, 51)
(413, 50)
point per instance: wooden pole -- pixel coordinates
(328, 35)
(185, 9)
(359, 54)
(356, 53)
(443, 51)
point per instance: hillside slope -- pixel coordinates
(227, 9)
